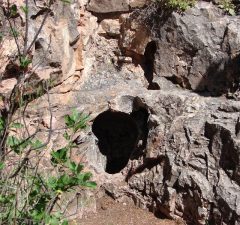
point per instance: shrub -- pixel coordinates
(28, 197)
(227, 6)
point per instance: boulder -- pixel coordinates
(108, 6)
(110, 28)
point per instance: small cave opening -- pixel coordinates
(118, 135)
(148, 65)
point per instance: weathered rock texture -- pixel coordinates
(105, 6)
(181, 149)
(199, 50)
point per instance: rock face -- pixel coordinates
(178, 151)
(106, 6)
(191, 166)
(199, 50)
(187, 162)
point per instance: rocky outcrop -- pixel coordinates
(199, 50)
(181, 150)
(188, 166)
(113, 6)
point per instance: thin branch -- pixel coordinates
(26, 28)
(53, 204)
(24, 121)
(39, 30)
(14, 36)
(26, 158)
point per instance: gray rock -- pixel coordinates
(108, 6)
(199, 50)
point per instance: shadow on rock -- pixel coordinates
(221, 78)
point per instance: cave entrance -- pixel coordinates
(117, 135)
(121, 136)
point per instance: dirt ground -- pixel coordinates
(110, 212)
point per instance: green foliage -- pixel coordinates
(66, 1)
(227, 6)
(24, 62)
(13, 10)
(179, 5)
(2, 165)
(2, 124)
(1, 36)
(24, 9)
(76, 120)
(29, 197)
(16, 125)
(14, 32)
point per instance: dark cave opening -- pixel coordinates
(148, 65)
(118, 136)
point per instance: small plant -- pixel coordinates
(181, 5)
(227, 6)
(178, 5)
(26, 196)
(24, 62)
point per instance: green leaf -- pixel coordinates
(52, 182)
(87, 176)
(65, 179)
(66, 1)
(24, 144)
(2, 165)
(24, 9)
(16, 125)
(37, 214)
(66, 136)
(90, 184)
(81, 123)
(231, 12)
(13, 142)
(36, 144)
(79, 168)
(75, 115)
(59, 156)
(24, 62)
(72, 166)
(7, 198)
(1, 36)
(68, 121)
(83, 177)
(65, 222)
(13, 10)
(52, 220)
(2, 123)
(76, 120)
(14, 32)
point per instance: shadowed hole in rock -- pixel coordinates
(148, 65)
(117, 135)
(38, 45)
(140, 116)
(121, 136)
